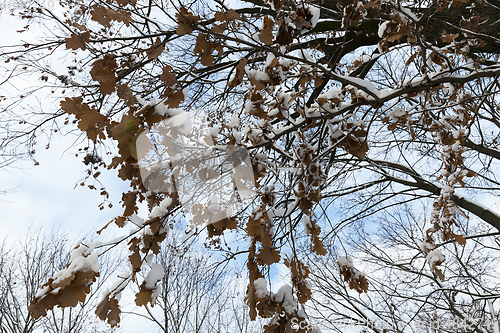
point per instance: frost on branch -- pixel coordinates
(70, 285)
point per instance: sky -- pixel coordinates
(48, 196)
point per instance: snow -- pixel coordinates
(181, 121)
(332, 94)
(257, 74)
(306, 222)
(382, 27)
(135, 219)
(285, 62)
(269, 59)
(362, 84)
(42, 292)
(408, 13)
(260, 286)
(426, 247)
(161, 209)
(214, 131)
(397, 112)
(285, 296)
(162, 110)
(273, 112)
(345, 261)
(315, 12)
(82, 259)
(303, 54)
(154, 275)
(435, 257)
(234, 122)
(286, 99)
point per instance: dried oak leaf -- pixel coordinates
(218, 227)
(268, 256)
(109, 309)
(126, 132)
(205, 47)
(124, 92)
(460, 239)
(156, 50)
(76, 42)
(103, 71)
(168, 77)
(129, 201)
(174, 99)
(186, 21)
(68, 292)
(89, 119)
(230, 15)
(104, 16)
(266, 34)
(238, 77)
(126, 2)
(356, 280)
(144, 296)
(448, 38)
(135, 260)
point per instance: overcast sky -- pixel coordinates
(45, 196)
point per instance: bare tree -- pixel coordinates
(195, 294)
(24, 268)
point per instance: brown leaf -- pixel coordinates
(317, 82)
(135, 260)
(212, 174)
(68, 292)
(130, 203)
(120, 16)
(104, 15)
(78, 41)
(127, 127)
(156, 50)
(411, 59)
(230, 15)
(143, 297)
(120, 221)
(439, 274)
(175, 99)
(449, 38)
(238, 77)
(284, 36)
(124, 92)
(103, 72)
(266, 34)
(219, 28)
(89, 119)
(268, 256)
(110, 310)
(100, 15)
(126, 2)
(460, 239)
(168, 77)
(186, 21)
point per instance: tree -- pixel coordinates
(347, 111)
(24, 269)
(194, 294)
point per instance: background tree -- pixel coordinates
(195, 295)
(352, 107)
(24, 268)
